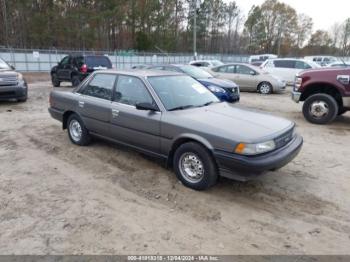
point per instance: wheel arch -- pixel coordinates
(187, 138)
(322, 88)
(65, 117)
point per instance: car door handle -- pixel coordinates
(81, 104)
(115, 113)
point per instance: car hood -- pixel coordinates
(7, 72)
(217, 82)
(230, 122)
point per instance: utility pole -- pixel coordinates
(195, 6)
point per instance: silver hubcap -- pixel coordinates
(265, 89)
(75, 130)
(191, 167)
(319, 109)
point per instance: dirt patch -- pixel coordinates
(32, 77)
(58, 198)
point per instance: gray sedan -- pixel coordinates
(174, 117)
(250, 78)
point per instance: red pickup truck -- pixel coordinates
(325, 92)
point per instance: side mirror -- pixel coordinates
(12, 67)
(146, 107)
(252, 73)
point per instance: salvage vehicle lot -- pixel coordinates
(58, 198)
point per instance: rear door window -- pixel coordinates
(284, 63)
(101, 86)
(98, 61)
(302, 65)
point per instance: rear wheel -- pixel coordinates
(320, 109)
(195, 167)
(265, 88)
(77, 132)
(55, 81)
(75, 81)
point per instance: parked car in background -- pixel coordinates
(249, 78)
(75, 68)
(223, 89)
(322, 60)
(325, 93)
(173, 117)
(206, 63)
(287, 68)
(12, 84)
(339, 64)
(260, 59)
(141, 66)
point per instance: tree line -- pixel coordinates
(153, 25)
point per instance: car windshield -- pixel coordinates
(4, 65)
(195, 72)
(181, 92)
(96, 61)
(217, 63)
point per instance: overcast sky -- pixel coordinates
(324, 13)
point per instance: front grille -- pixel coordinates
(8, 80)
(233, 90)
(8, 93)
(284, 139)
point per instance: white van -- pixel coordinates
(287, 68)
(322, 60)
(261, 58)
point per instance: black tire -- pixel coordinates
(85, 137)
(75, 81)
(320, 101)
(22, 100)
(265, 88)
(342, 111)
(55, 81)
(208, 166)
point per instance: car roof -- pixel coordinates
(140, 72)
(86, 55)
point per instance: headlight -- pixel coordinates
(255, 149)
(20, 78)
(216, 89)
(298, 82)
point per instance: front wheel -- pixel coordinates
(265, 88)
(77, 132)
(342, 111)
(195, 167)
(55, 81)
(320, 109)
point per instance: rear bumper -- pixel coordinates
(296, 96)
(56, 114)
(13, 92)
(244, 168)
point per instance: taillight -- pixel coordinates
(83, 68)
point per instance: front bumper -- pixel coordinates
(296, 96)
(13, 92)
(244, 168)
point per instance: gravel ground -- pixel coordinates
(57, 198)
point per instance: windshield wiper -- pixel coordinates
(181, 107)
(209, 103)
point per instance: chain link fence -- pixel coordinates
(34, 60)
